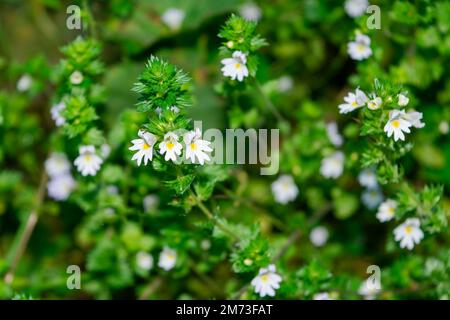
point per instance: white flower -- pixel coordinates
(374, 103)
(88, 162)
(367, 178)
(369, 290)
(76, 77)
(372, 198)
(150, 202)
(174, 109)
(60, 187)
(397, 124)
(319, 236)
(170, 146)
(24, 83)
(284, 189)
(402, 100)
(408, 233)
(235, 67)
(56, 113)
(360, 48)
(266, 281)
(322, 296)
(143, 146)
(250, 12)
(158, 111)
(144, 260)
(205, 244)
(173, 18)
(105, 150)
(196, 147)
(333, 134)
(57, 165)
(285, 83)
(414, 118)
(386, 211)
(353, 101)
(333, 165)
(356, 8)
(167, 259)
(112, 189)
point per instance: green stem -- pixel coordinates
(90, 19)
(269, 103)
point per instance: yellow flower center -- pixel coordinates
(361, 47)
(87, 158)
(237, 65)
(265, 278)
(354, 104)
(408, 229)
(396, 123)
(193, 146)
(145, 146)
(170, 256)
(170, 145)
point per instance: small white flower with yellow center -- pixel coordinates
(235, 67)
(143, 146)
(60, 187)
(386, 211)
(170, 146)
(167, 259)
(57, 165)
(266, 281)
(333, 134)
(88, 162)
(415, 118)
(356, 8)
(353, 101)
(408, 233)
(367, 178)
(56, 114)
(372, 198)
(397, 125)
(333, 165)
(319, 236)
(250, 12)
(76, 77)
(144, 260)
(284, 189)
(374, 103)
(196, 147)
(173, 18)
(360, 48)
(24, 83)
(402, 100)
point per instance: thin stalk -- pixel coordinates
(269, 103)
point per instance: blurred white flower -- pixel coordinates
(408, 233)
(266, 281)
(167, 258)
(386, 210)
(397, 124)
(372, 198)
(170, 146)
(105, 150)
(56, 114)
(322, 296)
(235, 67)
(333, 165)
(60, 187)
(444, 127)
(76, 77)
(196, 148)
(173, 18)
(402, 100)
(143, 146)
(112, 189)
(319, 236)
(57, 164)
(368, 178)
(356, 8)
(284, 189)
(24, 83)
(88, 162)
(250, 12)
(360, 48)
(150, 202)
(353, 101)
(415, 118)
(144, 260)
(285, 83)
(333, 134)
(174, 109)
